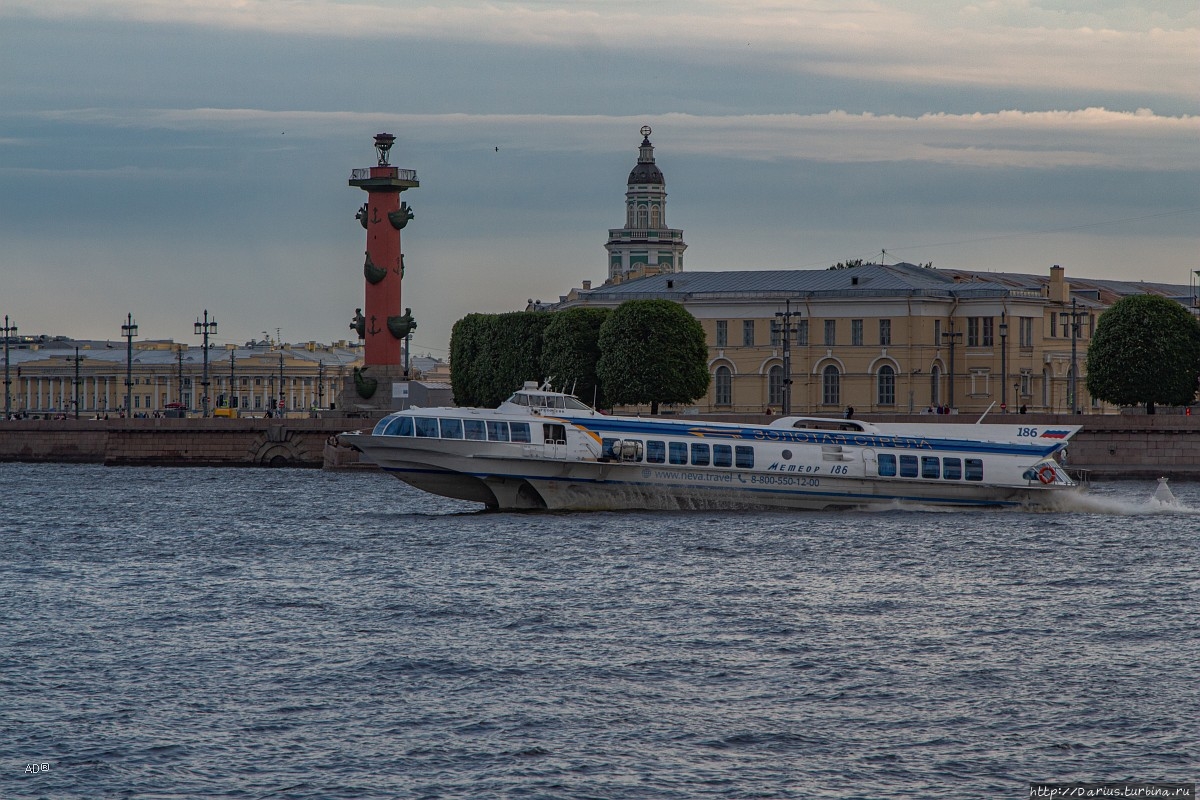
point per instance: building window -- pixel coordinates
(830, 332)
(856, 332)
(988, 340)
(775, 386)
(935, 386)
(1053, 323)
(979, 381)
(1026, 328)
(722, 333)
(802, 333)
(937, 331)
(972, 331)
(776, 333)
(748, 332)
(723, 387)
(885, 332)
(831, 386)
(887, 386)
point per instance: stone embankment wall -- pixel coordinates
(175, 442)
(1125, 446)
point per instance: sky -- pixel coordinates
(166, 157)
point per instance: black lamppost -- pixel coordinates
(204, 329)
(1003, 363)
(952, 336)
(129, 330)
(281, 404)
(232, 401)
(179, 348)
(1075, 315)
(787, 329)
(321, 384)
(9, 330)
(77, 359)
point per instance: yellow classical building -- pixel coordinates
(888, 338)
(57, 376)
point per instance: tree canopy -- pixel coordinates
(1146, 350)
(652, 351)
(571, 350)
(493, 354)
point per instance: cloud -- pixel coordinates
(1127, 48)
(1091, 137)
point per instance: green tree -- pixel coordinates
(571, 349)
(1146, 350)
(652, 351)
(493, 354)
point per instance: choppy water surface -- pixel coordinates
(293, 634)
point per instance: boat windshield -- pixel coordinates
(547, 400)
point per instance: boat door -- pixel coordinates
(555, 440)
(870, 463)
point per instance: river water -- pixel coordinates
(209, 633)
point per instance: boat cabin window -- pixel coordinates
(722, 455)
(497, 431)
(520, 431)
(426, 427)
(656, 452)
(475, 430)
(974, 469)
(950, 469)
(700, 455)
(396, 426)
(745, 456)
(931, 467)
(828, 424)
(678, 452)
(554, 434)
(551, 401)
(452, 428)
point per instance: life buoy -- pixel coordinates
(1046, 474)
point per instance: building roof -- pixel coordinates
(867, 280)
(159, 353)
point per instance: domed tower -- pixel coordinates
(645, 246)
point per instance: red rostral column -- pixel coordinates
(380, 323)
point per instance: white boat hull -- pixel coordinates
(528, 484)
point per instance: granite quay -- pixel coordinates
(1110, 446)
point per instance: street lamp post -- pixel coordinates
(1071, 387)
(1003, 363)
(204, 329)
(281, 404)
(952, 336)
(179, 360)
(786, 328)
(321, 384)
(9, 330)
(77, 359)
(232, 401)
(129, 330)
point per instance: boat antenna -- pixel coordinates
(546, 386)
(985, 413)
